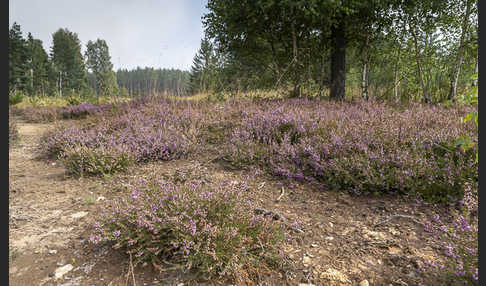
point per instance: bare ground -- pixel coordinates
(51, 214)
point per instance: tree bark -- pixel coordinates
(460, 52)
(475, 81)
(338, 62)
(395, 79)
(419, 65)
(296, 92)
(364, 79)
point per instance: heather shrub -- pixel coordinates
(81, 160)
(148, 132)
(458, 238)
(210, 230)
(361, 147)
(83, 110)
(41, 114)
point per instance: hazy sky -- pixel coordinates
(163, 33)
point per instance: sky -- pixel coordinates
(159, 34)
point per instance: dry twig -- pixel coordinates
(399, 215)
(281, 194)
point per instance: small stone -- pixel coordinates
(62, 270)
(100, 198)
(52, 251)
(329, 238)
(314, 245)
(364, 283)
(306, 260)
(79, 215)
(330, 224)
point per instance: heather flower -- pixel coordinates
(206, 228)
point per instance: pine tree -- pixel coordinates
(66, 56)
(99, 62)
(17, 59)
(38, 66)
(202, 67)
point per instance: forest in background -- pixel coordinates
(66, 71)
(403, 50)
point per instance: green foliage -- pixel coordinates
(471, 97)
(74, 99)
(99, 62)
(68, 60)
(39, 67)
(291, 44)
(203, 68)
(17, 59)
(14, 99)
(81, 161)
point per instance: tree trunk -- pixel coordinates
(296, 92)
(338, 62)
(364, 79)
(364, 82)
(460, 52)
(475, 81)
(419, 66)
(395, 78)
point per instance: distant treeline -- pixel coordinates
(65, 71)
(148, 81)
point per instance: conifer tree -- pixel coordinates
(202, 67)
(66, 56)
(99, 62)
(17, 59)
(38, 67)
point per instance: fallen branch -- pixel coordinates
(399, 215)
(130, 269)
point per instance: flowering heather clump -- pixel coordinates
(363, 147)
(40, 114)
(84, 109)
(459, 241)
(160, 130)
(207, 229)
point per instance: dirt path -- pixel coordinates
(50, 215)
(48, 211)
